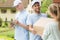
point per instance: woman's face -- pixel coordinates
(36, 7)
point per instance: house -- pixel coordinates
(7, 11)
(56, 1)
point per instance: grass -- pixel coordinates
(6, 33)
(5, 38)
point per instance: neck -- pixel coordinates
(37, 12)
(20, 10)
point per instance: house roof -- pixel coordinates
(56, 1)
(9, 3)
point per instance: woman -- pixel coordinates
(52, 30)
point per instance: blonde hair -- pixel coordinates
(55, 9)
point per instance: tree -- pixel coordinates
(4, 1)
(1, 22)
(45, 5)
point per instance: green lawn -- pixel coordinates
(5, 38)
(6, 33)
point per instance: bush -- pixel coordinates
(45, 5)
(11, 19)
(5, 23)
(11, 35)
(1, 22)
(7, 32)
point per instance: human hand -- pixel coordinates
(11, 24)
(33, 31)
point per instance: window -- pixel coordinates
(3, 10)
(13, 10)
(31, 0)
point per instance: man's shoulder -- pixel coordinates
(17, 14)
(44, 14)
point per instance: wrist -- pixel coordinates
(31, 30)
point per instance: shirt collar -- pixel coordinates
(37, 14)
(20, 12)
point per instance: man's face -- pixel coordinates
(36, 7)
(20, 7)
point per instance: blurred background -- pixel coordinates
(7, 13)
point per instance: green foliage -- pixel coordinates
(10, 34)
(11, 20)
(5, 38)
(6, 29)
(1, 22)
(7, 32)
(6, 22)
(4, 1)
(45, 5)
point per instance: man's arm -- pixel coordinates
(23, 25)
(15, 22)
(27, 27)
(31, 29)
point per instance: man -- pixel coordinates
(33, 18)
(21, 30)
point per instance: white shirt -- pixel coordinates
(51, 31)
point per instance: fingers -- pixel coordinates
(33, 31)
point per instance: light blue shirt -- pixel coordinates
(20, 32)
(32, 18)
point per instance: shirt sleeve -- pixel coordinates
(29, 20)
(16, 16)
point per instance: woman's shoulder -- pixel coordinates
(52, 24)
